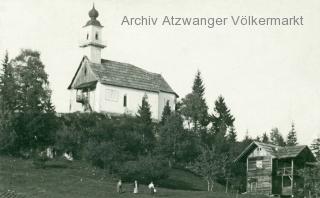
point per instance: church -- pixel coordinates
(115, 88)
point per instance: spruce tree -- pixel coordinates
(292, 136)
(194, 107)
(165, 113)
(8, 86)
(145, 125)
(198, 87)
(221, 120)
(7, 106)
(265, 138)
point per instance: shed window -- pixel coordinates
(125, 100)
(259, 164)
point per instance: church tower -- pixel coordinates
(92, 37)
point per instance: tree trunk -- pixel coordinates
(208, 181)
(211, 186)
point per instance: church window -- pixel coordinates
(85, 71)
(125, 100)
(97, 36)
(87, 36)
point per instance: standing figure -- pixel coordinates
(152, 189)
(119, 186)
(135, 190)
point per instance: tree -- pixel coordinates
(311, 178)
(221, 120)
(232, 135)
(145, 125)
(198, 87)
(165, 113)
(8, 86)
(315, 147)
(33, 93)
(276, 138)
(194, 107)
(292, 136)
(35, 121)
(210, 164)
(265, 138)
(171, 137)
(7, 106)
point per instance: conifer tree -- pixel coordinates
(145, 125)
(194, 107)
(7, 106)
(165, 113)
(198, 87)
(221, 120)
(265, 138)
(292, 136)
(8, 86)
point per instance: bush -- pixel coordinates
(145, 169)
(104, 155)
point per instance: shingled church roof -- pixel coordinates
(127, 75)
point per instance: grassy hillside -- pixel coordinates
(79, 180)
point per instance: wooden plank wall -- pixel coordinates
(262, 175)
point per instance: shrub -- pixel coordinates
(145, 169)
(103, 154)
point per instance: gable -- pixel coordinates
(266, 149)
(259, 152)
(84, 76)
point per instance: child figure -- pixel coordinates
(119, 186)
(152, 189)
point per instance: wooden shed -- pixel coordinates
(273, 170)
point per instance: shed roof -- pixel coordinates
(127, 75)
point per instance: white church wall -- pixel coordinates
(163, 98)
(112, 99)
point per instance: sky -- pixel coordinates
(269, 76)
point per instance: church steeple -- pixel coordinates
(92, 40)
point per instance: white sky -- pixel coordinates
(269, 76)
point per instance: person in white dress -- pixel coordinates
(135, 190)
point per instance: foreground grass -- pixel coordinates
(79, 180)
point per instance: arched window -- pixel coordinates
(97, 36)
